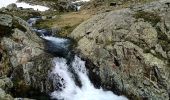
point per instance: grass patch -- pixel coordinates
(67, 22)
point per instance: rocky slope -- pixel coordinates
(24, 66)
(129, 50)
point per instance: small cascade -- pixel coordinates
(33, 21)
(70, 81)
(65, 85)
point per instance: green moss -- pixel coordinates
(44, 24)
(153, 18)
(146, 51)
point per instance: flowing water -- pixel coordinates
(64, 75)
(64, 79)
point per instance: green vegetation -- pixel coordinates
(64, 21)
(148, 16)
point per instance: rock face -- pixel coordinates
(129, 50)
(12, 6)
(24, 65)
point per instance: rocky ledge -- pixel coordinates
(129, 50)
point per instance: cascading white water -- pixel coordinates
(55, 39)
(63, 77)
(68, 88)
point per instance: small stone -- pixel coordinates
(44, 17)
(146, 82)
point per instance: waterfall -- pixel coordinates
(64, 76)
(65, 85)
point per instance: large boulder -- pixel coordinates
(24, 66)
(128, 50)
(12, 6)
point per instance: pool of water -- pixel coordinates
(4, 3)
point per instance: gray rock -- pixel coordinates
(44, 17)
(24, 57)
(5, 20)
(3, 9)
(6, 83)
(12, 6)
(127, 51)
(159, 50)
(4, 96)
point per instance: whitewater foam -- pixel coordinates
(55, 39)
(69, 89)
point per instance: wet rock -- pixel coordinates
(55, 30)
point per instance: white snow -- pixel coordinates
(4, 3)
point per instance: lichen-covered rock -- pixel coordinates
(6, 83)
(23, 59)
(4, 96)
(129, 50)
(12, 6)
